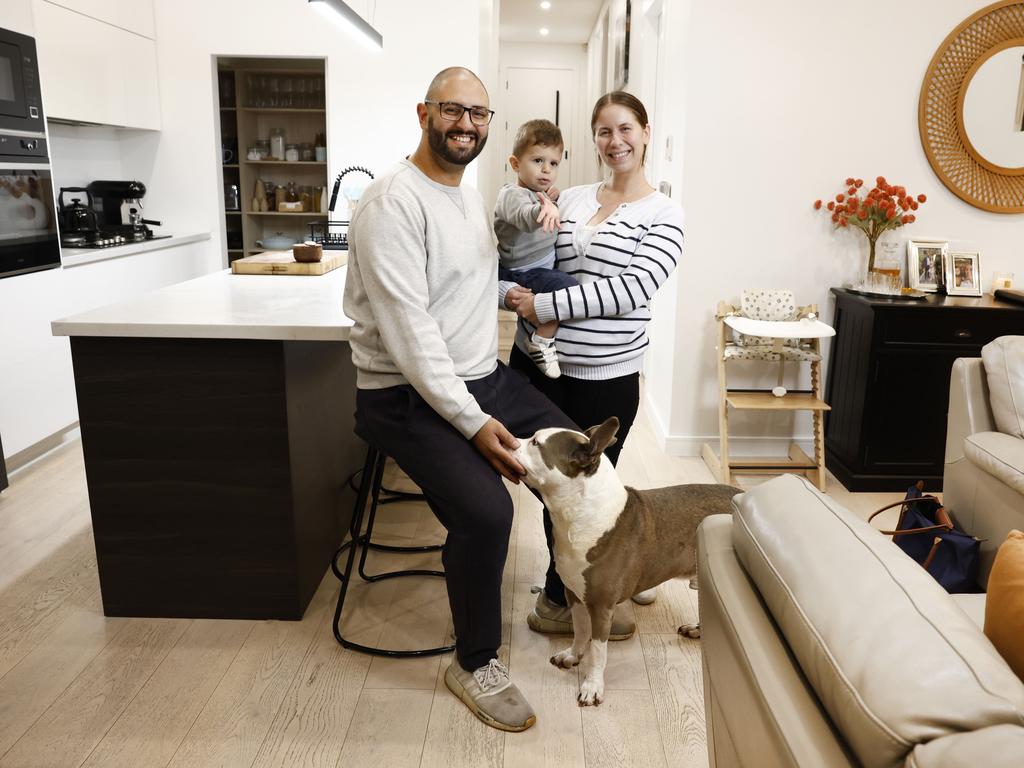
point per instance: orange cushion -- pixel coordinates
(1004, 604)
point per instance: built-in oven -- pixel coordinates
(28, 220)
(21, 102)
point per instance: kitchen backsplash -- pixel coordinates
(81, 154)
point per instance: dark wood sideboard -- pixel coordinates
(888, 382)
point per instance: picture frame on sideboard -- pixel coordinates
(926, 264)
(963, 273)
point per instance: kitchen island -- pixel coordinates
(216, 419)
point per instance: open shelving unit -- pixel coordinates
(245, 116)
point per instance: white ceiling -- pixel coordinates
(570, 21)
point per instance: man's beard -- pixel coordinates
(462, 155)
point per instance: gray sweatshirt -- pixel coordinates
(422, 289)
(521, 242)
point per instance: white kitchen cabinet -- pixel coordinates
(133, 15)
(94, 72)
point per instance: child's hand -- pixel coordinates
(548, 218)
(553, 193)
(515, 296)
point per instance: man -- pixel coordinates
(422, 289)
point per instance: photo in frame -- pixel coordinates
(963, 273)
(618, 34)
(926, 261)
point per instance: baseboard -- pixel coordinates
(36, 451)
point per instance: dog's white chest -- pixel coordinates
(578, 525)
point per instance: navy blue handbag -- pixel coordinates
(926, 532)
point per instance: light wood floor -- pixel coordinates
(77, 688)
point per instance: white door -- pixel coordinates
(534, 94)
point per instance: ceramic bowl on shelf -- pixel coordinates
(277, 242)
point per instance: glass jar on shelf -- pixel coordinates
(291, 193)
(277, 146)
(306, 153)
(291, 154)
(306, 197)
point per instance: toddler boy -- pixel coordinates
(526, 224)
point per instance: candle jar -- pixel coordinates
(1002, 280)
(291, 154)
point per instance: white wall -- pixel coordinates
(779, 110)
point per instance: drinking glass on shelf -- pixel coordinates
(274, 93)
(262, 91)
(301, 99)
(286, 92)
(318, 92)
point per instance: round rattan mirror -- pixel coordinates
(956, 161)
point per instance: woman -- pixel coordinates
(621, 239)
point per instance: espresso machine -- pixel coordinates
(118, 206)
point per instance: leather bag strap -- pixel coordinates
(945, 524)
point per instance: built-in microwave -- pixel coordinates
(21, 105)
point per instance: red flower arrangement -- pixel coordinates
(884, 207)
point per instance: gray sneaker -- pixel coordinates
(646, 597)
(554, 619)
(491, 696)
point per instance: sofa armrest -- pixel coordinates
(759, 707)
(969, 409)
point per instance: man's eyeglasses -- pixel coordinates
(453, 112)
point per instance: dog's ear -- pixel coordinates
(587, 456)
(603, 435)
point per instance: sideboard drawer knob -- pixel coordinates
(963, 333)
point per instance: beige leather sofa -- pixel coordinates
(983, 481)
(824, 645)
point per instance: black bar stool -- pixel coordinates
(370, 487)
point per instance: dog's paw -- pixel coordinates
(591, 692)
(565, 659)
(690, 630)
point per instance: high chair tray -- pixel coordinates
(780, 329)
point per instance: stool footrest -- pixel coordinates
(394, 548)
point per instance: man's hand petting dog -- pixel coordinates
(496, 444)
(515, 295)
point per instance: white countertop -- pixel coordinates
(73, 257)
(225, 306)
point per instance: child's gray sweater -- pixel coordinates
(522, 244)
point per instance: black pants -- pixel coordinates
(462, 489)
(588, 403)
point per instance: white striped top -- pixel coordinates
(602, 331)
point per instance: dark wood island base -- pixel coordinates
(217, 471)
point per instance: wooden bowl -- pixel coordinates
(308, 253)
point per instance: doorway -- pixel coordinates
(539, 93)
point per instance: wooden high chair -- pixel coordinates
(769, 326)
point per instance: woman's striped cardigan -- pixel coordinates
(602, 321)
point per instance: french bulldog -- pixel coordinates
(611, 541)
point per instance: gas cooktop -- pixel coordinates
(105, 240)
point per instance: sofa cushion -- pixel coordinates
(893, 659)
(1001, 746)
(1004, 368)
(999, 454)
(1004, 608)
(973, 604)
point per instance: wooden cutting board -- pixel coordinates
(283, 263)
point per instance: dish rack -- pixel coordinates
(333, 233)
